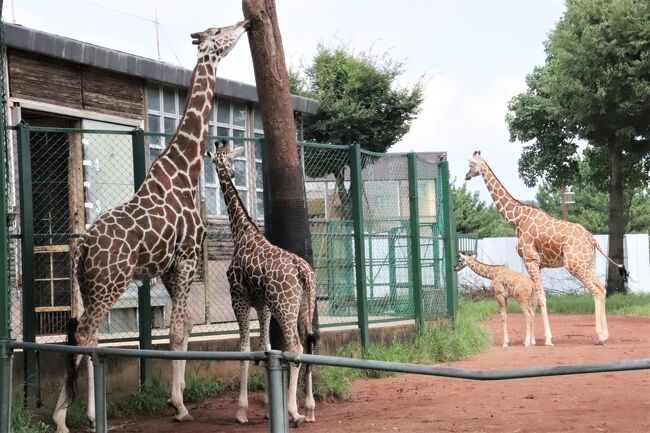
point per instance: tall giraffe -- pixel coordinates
(156, 233)
(546, 242)
(506, 283)
(271, 280)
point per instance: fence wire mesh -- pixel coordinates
(78, 174)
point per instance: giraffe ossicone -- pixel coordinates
(274, 282)
(546, 242)
(157, 233)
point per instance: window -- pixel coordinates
(229, 118)
(165, 106)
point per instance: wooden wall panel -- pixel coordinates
(44, 79)
(112, 93)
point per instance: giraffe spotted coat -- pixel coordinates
(546, 242)
(506, 283)
(274, 282)
(156, 233)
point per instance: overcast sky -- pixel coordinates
(475, 54)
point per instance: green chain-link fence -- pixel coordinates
(375, 259)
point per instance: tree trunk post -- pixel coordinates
(616, 219)
(285, 216)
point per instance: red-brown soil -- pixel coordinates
(603, 402)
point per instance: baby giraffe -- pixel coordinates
(506, 283)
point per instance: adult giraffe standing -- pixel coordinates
(546, 242)
(156, 233)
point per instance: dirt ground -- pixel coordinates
(604, 402)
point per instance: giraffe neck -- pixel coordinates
(188, 143)
(507, 205)
(240, 220)
(482, 269)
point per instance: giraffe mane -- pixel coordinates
(506, 190)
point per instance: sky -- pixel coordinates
(473, 54)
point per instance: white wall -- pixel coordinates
(504, 251)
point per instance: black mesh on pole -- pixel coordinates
(286, 224)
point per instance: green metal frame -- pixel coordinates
(32, 379)
(449, 246)
(359, 244)
(4, 240)
(144, 291)
(416, 262)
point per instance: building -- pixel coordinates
(55, 81)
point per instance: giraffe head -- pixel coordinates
(223, 158)
(462, 260)
(475, 163)
(216, 42)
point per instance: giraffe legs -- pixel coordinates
(533, 271)
(529, 339)
(264, 317)
(85, 337)
(503, 305)
(587, 276)
(177, 282)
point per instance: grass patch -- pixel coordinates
(23, 420)
(439, 343)
(617, 304)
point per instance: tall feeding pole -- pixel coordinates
(285, 209)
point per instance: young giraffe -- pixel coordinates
(546, 242)
(506, 283)
(271, 280)
(156, 233)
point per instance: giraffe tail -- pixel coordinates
(72, 371)
(310, 336)
(625, 275)
(71, 368)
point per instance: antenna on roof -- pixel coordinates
(156, 23)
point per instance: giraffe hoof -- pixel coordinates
(182, 418)
(309, 415)
(297, 422)
(241, 419)
(548, 343)
(505, 344)
(600, 342)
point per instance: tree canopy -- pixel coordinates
(595, 87)
(473, 215)
(360, 101)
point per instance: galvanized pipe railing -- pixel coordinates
(276, 363)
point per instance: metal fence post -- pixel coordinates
(4, 241)
(100, 393)
(275, 372)
(449, 245)
(6, 367)
(416, 262)
(356, 187)
(144, 291)
(32, 385)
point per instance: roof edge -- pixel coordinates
(60, 47)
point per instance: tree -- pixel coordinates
(591, 205)
(359, 103)
(474, 216)
(595, 86)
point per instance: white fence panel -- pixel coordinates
(503, 251)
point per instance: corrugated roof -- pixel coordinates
(36, 41)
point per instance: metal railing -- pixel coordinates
(276, 363)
